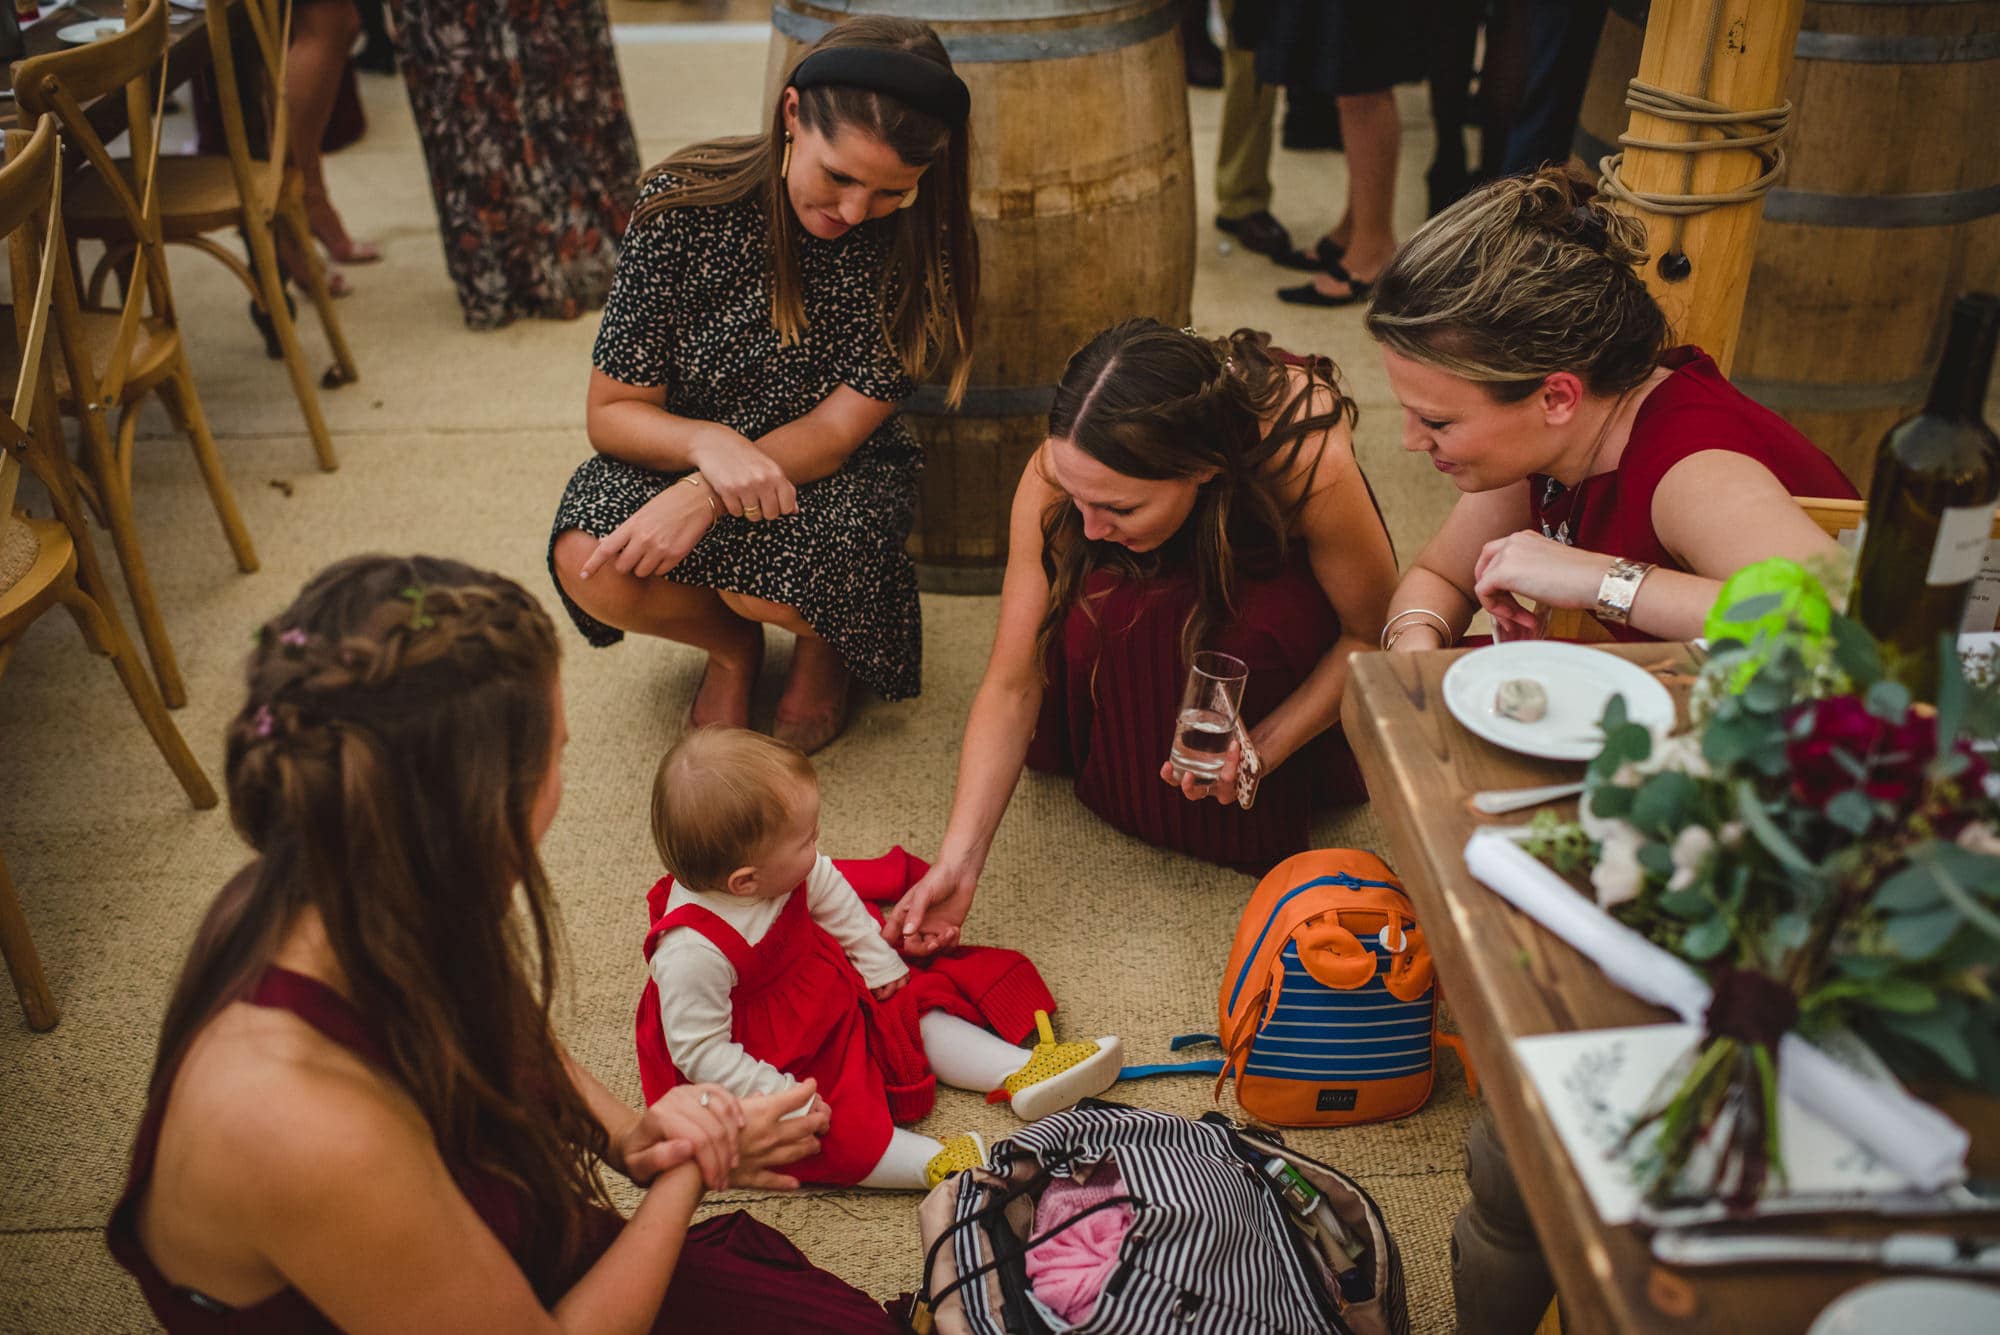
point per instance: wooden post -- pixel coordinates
(1736, 53)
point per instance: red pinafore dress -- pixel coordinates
(800, 1005)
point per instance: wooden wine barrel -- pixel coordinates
(1890, 207)
(1083, 195)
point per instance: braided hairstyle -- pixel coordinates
(1524, 277)
(385, 765)
(1158, 403)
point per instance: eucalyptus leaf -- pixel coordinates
(1914, 887)
(1657, 859)
(1951, 699)
(1855, 652)
(1767, 694)
(1685, 904)
(1888, 701)
(1611, 800)
(1666, 803)
(1936, 1031)
(1706, 939)
(1755, 608)
(1791, 930)
(1866, 966)
(1851, 810)
(1765, 831)
(1917, 936)
(1615, 715)
(1975, 871)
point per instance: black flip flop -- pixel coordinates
(1305, 294)
(1328, 253)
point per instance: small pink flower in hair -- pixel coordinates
(263, 721)
(294, 638)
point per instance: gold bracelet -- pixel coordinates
(708, 494)
(1388, 641)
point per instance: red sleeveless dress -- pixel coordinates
(736, 1276)
(800, 1004)
(1694, 410)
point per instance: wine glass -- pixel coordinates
(1206, 723)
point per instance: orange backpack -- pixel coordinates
(1329, 1002)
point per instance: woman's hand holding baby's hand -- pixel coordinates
(889, 989)
(772, 1137)
(698, 1122)
(926, 919)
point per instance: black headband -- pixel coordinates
(903, 75)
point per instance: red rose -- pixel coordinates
(1895, 755)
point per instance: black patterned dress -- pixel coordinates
(532, 161)
(691, 310)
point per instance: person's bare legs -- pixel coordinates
(670, 611)
(322, 36)
(813, 709)
(1372, 134)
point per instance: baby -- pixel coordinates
(768, 969)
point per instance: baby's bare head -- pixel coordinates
(719, 797)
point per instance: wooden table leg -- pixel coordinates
(23, 963)
(1500, 1283)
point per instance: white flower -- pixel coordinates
(1979, 837)
(1681, 752)
(1618, 876)
(1731, 833)
(1691, 851)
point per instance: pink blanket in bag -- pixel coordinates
(1069, 1270)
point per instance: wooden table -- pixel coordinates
(187, 55)
(1505, 977)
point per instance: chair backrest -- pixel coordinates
(31, 223)
(58, 86)
(258, 180)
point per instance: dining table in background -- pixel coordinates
(187, 55)
(1504, 977)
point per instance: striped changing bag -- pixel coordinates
(1329, 1000)
(1209, 1251)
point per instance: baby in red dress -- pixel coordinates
(768, 968)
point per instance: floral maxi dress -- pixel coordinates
(532, 160)
(691, 311)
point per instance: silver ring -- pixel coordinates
(704, 1098)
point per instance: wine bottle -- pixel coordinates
(1930, 506)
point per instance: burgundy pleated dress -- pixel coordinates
(736, 1276)
(1115, 675)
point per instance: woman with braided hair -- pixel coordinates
(1600, 469)
(778, 296)
(1192, 494)
(360, 1117)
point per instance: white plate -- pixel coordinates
(82, 34)
(1912, 1307)
(1578, 680)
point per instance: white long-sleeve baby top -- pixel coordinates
(695, 978)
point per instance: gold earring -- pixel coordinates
(909, 200)
(785, 163)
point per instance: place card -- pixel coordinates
(1595, 1082)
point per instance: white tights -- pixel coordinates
(964, 1056)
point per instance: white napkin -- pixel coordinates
(1906, 1133)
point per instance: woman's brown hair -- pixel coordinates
(396, 733)
(1522, 278)
(1157, 403)
(933, 279)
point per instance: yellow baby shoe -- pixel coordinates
(1058, 1074)
(957, 1155)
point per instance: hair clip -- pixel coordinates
(419, 619)
(263, 721)
(1189, 330)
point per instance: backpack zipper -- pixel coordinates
(1339, 878)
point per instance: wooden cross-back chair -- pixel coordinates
(115, 356)
(1833, 515)
(45, 563)
(201, 193)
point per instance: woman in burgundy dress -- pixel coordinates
(1192, 494)
(360, 1117)
(1602, 470)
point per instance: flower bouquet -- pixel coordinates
(1826, 850)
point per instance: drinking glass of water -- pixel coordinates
(1207, 721)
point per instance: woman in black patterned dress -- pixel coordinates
(532, 161)
(777, 296)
